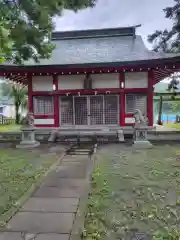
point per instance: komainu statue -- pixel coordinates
(28, 121)
(140, 119)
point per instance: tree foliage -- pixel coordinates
(176, 107)
(168, 40)
(173, 85)
(26, 26)
(18, 93)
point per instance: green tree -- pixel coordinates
(26, 26)
(173, 85)
(159, 121)
(168, 40)
(176, 107)
(5, 43)
(18, 93)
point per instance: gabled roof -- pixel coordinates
(105, 50)
(99, 46)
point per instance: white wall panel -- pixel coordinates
(129, 120)
(71, 81)
(43, 121)
(42, 83)
(136, 80)
(109, 80)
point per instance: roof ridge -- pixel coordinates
(93, 33)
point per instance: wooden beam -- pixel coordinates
(166, 94)
(167, 100)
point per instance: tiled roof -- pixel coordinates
(97, 46)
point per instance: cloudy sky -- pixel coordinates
(118, 13)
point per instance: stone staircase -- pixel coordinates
(82, 149)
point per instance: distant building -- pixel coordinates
(7, 108)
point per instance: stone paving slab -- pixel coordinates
(29, 236)
(74, 158)
(52, 237)
(75, 163)
(55, 192)
(63, 182)
(70, 167)
(10, 236)
(34, 222)
(79, 158)
(50, 213)
(63, 205)
(70, 172)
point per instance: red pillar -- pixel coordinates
(56, 101)
(30, 96)
(122, 99)
(150, 97)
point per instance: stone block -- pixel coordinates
(23, 145)
(35, 222)
(52, 236)
(63, 182)
(55, 205)
(28, 138)
(55, 192)
(120, 136)
(10, 236)
(142, 144)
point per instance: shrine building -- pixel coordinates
(94, 78)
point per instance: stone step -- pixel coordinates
(80, 150)
(75, 153)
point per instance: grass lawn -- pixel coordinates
(173, 125)
(10, 127)
(19, 170)
(135, 192)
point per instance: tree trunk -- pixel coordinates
(160, 111)
(177, 119)
(17, 120)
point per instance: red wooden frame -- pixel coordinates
(57, 92)
(150, 98)
(161, 67)
(90, 92)
(147, 65)
(149, 92)
(56, 102)
(122, 100)
(30, 97)
(44, 125)
(122, 112)
(43, 116)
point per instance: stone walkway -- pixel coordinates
(50, 212)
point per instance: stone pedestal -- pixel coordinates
(28, 138)
(140, 140)
(53, 136)
(120, 136)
